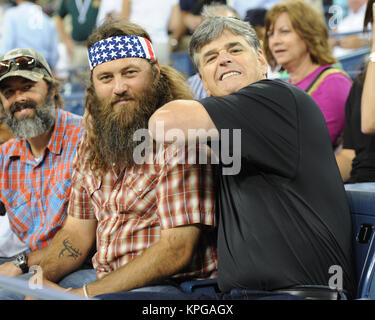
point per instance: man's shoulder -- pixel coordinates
(268, 90)
(71, 126)
(72, 120)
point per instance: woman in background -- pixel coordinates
(297, 39)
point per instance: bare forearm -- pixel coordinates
(34, 258)
(65, 254)
(158, 262)
(187, 116)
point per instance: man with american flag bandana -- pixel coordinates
(153, 224)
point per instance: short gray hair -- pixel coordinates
(213, 27)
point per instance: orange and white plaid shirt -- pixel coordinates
(132, 209)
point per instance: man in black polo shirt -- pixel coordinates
(283, 219)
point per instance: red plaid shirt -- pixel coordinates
(134, 207)
(36, 192)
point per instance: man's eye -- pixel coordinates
(104, 77)
(130, 72)
(209, 59)
(7, 93)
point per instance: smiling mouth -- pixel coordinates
(122, 101)
(229, 74)
(279, 51)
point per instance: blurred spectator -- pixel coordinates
(27, 26)
(154, 16)
(83, 15)
(112, 9)
(191, 11)
(368, 95)
(297, 39)
(356, 160)
(353, 22)
(256, 18)
(243, 6)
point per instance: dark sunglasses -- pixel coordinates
(22, 63)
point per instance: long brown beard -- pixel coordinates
(111, 140)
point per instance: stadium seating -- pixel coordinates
(362, 207)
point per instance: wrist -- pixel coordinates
(85, 292)
(20, 262)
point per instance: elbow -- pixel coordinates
(368, 127)
(159, 124)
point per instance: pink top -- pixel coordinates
(331, 97)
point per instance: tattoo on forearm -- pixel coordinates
(72, 252)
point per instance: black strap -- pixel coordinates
(316, 78)
(2, 209)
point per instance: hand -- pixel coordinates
(9, 269)
(46, 283)
(78, 291)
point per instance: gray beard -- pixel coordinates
(43, 120)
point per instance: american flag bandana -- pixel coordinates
(120, 47)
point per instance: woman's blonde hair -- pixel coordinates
(308, 23)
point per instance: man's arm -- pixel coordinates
(180, 114)
(64, 36)
(169, 255)
(69, 248)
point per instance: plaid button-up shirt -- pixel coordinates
(133, 207)
(35, 192)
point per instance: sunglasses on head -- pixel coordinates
(22, 63)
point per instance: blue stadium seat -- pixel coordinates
(74, 89)
(181, 61)
(208, 286)
(362, 207)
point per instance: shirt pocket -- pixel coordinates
(19, 204)
(16, 198)
(138, 195)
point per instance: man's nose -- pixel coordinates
(225, 58)
(120, 86)
(20, 96)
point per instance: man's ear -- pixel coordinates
(262, 62)
(156, 71)
(204, 85)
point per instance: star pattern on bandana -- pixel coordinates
(117, 48)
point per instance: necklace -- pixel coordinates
(82, 7)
